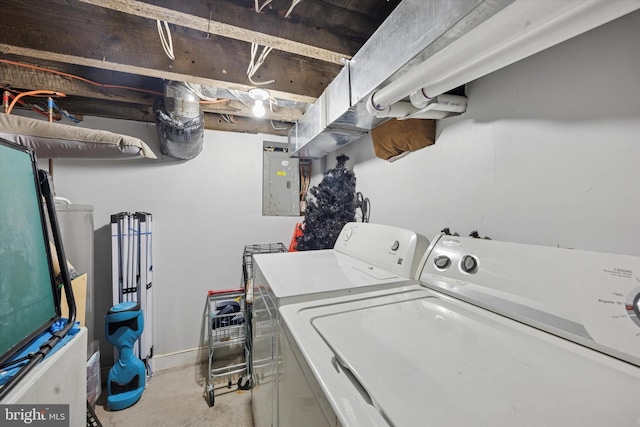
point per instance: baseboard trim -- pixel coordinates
(189, 357)
(194, 356)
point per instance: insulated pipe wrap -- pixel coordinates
(179, 122)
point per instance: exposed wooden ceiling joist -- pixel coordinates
(211, 26)
(131, 44)
(21, 77)
(149, 72)
(116, 42)
(29, 78)
(144, 113)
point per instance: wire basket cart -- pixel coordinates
(247, 278)
(229, 324)
(247, 262)
(227, 327)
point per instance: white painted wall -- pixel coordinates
(205, 211)
(548, 153)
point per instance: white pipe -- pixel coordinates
(446, 102)
(519, 30)
(398, 109)
(429, 114)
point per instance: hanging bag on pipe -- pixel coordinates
(395, 139)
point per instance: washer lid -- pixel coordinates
(451, 363)
(313, 272)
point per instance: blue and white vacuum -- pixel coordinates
(123, 325)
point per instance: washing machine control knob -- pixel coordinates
(636, 305)
(469, 264)
(395, 246)
(442, 262)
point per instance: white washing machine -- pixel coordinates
(496, 334)
(365, 257)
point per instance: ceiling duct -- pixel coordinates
(179, 122)
(427, 48)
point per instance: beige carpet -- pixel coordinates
(175, 397)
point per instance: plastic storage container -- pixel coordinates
(76, 227)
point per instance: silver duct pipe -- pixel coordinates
(427, 48)
(179, 122)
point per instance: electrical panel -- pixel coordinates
(280, 183)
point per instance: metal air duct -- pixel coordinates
(427, 48)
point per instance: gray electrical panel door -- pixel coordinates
(280, 184)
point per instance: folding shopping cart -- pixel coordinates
(226, 315)
(229, 323)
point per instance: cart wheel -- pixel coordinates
(244, 383)
(210, 398)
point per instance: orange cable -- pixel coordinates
(32, 92)
(104, 85)
(33, 107)
(72, 76)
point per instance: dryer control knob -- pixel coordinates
(469, 264)
(395, 246)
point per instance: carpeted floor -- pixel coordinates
(175, 397)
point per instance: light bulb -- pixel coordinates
(258, 108)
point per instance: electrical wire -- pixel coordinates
(38, 109)
(167, 42)
(32, 93)
(228, 118)
(294, 3)
(82, 79)
(255, 63)
(198, 91)
(259, 9)
(34, 107)
(277, 128)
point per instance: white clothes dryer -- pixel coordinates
(365, 257)
(496, 334)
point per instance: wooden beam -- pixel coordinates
(144, 113)
(214, 27)
(114, 110)
(245, 125)
(313, 22)
(96, 37)
(237, 108)
(28, 78)
(166, 75)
